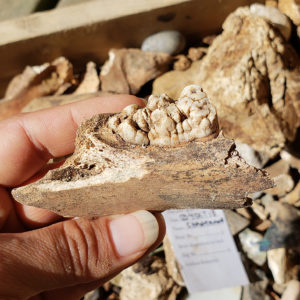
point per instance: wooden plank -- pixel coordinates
(87, 31)
(63, 3)
(10, 9)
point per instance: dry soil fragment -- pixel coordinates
(163, 156)
(127, 70)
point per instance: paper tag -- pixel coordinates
(205, 249)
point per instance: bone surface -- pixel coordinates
(138, 159)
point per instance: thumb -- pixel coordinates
(73, 252)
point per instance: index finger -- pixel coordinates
(29, 140)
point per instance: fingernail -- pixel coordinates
(133, 232)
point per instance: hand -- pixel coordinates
(57, 258)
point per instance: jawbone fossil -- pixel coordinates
(166, 155)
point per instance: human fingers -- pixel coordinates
(79, 290)
(5, 206)
(29, 140)
(33, 217)
(73, 252)
(8, 219)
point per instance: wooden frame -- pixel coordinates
(87, 31)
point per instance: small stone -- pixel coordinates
(284, 183)
(235, 221)
(292, 160)
(244, 212)
(148, 279)
(209, 39)
(169, 41)
(291, 8)
(250, 241)
(232, 293)
(293, 197)
(172, 263)
(278, 288)
(292, 291)
(251, 156)
(196, 53)
(92, 295)
(259, 211)
(278, 168)
(181, 63)
(127, 70)
(271, 206)
(255, 195)
(277, 262)
(263, 226)
(256, 291)
(271, 3)
(273, 15)
(90, 82)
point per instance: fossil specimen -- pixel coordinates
(165, 122)
(166, 155)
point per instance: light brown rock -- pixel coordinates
(34, 82)
(196, 53)
(263, 226)
(90, 82)
(275, 16)
(271, 3)
(292, 160)
(157, 176)
(277, 262)
(209, 39)
(181, 63)
(244, 212)
(278, 168)
(127, 70)
(251, 83)
(259, 211)
(292, 291)
(294, 196)
(235, 221)
(284, 183)
(172, 263)
(147, 280)
(291, 8)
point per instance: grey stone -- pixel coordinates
(169, 41)
(284, 232)
(250, 241)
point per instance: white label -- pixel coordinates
(205, 249)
